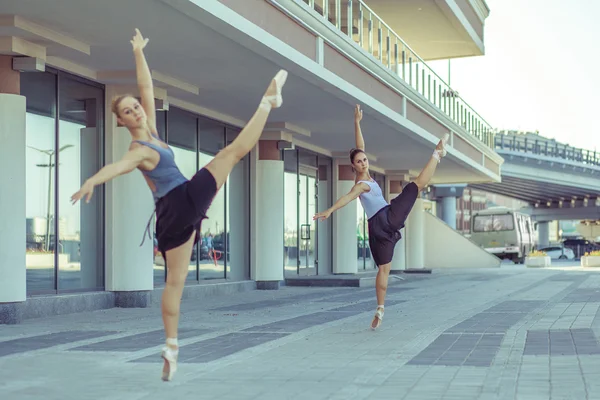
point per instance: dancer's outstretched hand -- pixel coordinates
(357, 113)
(322, 216)
(138, 42)
(86, 189)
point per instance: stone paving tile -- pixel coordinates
(474, 350)
(585, 295)
(484, 278)
(515, 307)
(273, 302)
(139, 341)
(298, 323)
(327, 351)
(365, 306)
(9, 347)
(219, 347)
(568, 342)
(360, 295)
(341, 295)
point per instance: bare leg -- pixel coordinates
(225, 160)
(177, 261)
(381, 283)
(427, 173)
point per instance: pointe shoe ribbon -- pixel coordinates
(276, 99)
(438, 154)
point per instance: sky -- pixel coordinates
(539, 71)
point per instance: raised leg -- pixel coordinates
(220, 167)
(178, 260)
(427, 173)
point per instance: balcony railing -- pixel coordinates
(546, 147)
(374, 36)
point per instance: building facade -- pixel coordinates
(57, 131)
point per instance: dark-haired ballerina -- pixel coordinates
(385, 220)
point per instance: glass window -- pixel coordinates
(324, 200)
(489, 223)
(53, 223)
(238, 217)
(79, 156)
(40, 90)
(183, 140)
(361, 236)
(290, 232)
(161, 124)
(212, 248)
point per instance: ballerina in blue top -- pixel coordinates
(181, 205)
(385, 220)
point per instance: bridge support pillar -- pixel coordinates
(449, 211)
(447, 194)
(543, 233)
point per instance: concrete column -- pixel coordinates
(447, 195)
(90, 224)
(399, 260)
(238, 222)
(449, 211)
(129, 205)
(344, 224)
(543, 234)
(13, 277)
(415, 237)
(268, 222)
(323, 203)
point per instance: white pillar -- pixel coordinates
(13, 276)
(543, 234)
(344, 224)
(129, 205)
(324, 244)
(89, 221)
(449, 211)
(268, 228)
(399, 260)
(238, 222)
(415, 237)
(394, 188)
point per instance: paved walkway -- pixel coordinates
(508, 333)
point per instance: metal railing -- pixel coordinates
(546, 147)
(374, 36)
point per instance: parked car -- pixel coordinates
(581, 246)
(558, 252)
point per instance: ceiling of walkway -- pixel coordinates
(231, 77)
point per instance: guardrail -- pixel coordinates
(546, 147)
(374, 36)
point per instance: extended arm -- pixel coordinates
(343, 201)
(144, 79)
(131, 160)
(128, 163)
(360, 143)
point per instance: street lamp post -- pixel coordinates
(50, 154)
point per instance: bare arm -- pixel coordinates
(360, 142)
(131, 160)
(356, 191)
(144, 79)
